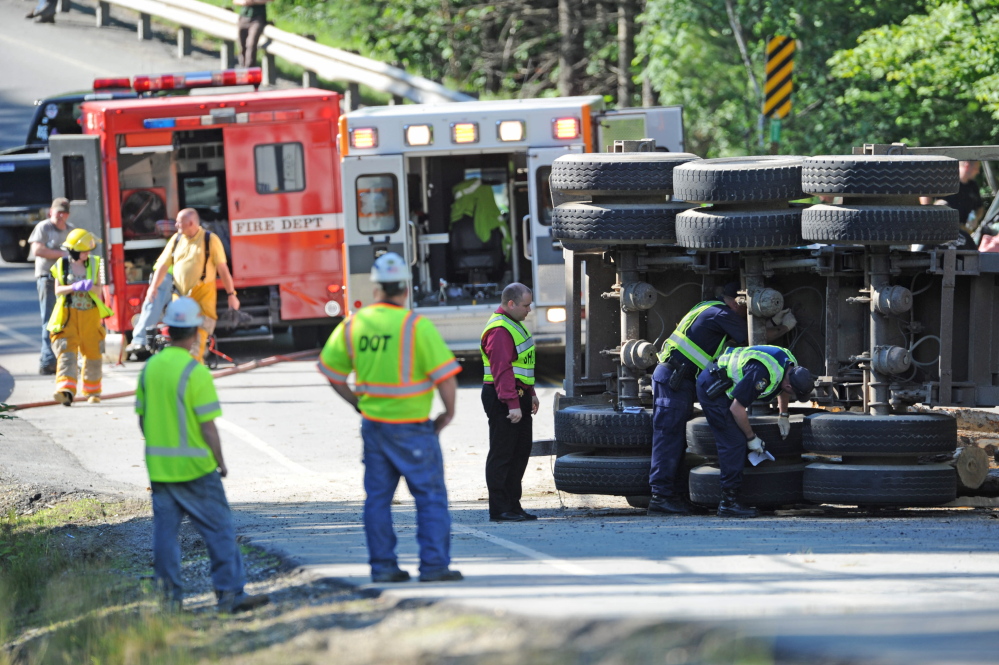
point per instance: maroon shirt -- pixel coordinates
(501, 351)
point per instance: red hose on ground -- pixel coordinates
(238, 369)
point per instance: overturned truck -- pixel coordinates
(892, 316)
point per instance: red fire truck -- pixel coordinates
(261, 169)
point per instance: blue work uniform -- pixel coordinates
(755, 385)
(673, 408)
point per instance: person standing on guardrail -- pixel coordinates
(726, 390)
(252, 21)
(196, 257)
(509, 401)
(46, 241)
(177, 406)
(77, 322)
(699, 339)
(398, 358)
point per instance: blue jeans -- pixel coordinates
(670, 412)
(46, 300)
(729, 438)
(152, 312)
(412, 451)
(203, 501)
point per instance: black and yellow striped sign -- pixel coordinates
(780, 67)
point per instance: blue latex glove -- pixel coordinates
(83, 285)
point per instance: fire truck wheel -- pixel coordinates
(879, 225)
(739, 180)
(859, 434)
(600, 426)
(739, 229)
(616, 222)
(584, 473)
(304, 338)
(701, 441)
(611, 173)
(880, 175)
(766, 486)
(880, 485)
(638, 501)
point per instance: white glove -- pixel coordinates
(784, 425)
(789, 321)
(756, 444)
(778, 318)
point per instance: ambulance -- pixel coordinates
(261, 169)
(461, 191)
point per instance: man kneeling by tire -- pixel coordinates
(726, 389)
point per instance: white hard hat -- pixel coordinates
(183, 313)
(389, 268)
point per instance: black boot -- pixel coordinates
(730, 506)
(671, 504)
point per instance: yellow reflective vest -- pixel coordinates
(398, 357)
(774, 358)
(60, 271)
(523, 364)
(680, 342)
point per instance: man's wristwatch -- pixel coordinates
(785, 415)
(231, 293)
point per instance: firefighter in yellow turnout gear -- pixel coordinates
(76, 326)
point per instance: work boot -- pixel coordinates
(445, 575)
(390, 576)
(231, 602)
(94, 399)
(668, 504)
(730, 506)
(64, 397)
(45, 18)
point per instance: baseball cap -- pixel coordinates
(60, 204)
(731, 290)
(801, 382)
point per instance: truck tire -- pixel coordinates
(304, 338)
(12, 252)
(701, 441)
(600, 426)
(739, 180)
(616, 222)
(765, 486)
(584, 473)
(858, 434)
(880, 175)
(879, 225)
(597, 174)
(707, 228)
(880, 485)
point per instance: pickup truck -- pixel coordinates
(25, 176)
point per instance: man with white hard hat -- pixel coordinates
(177, 407)
(398, 357)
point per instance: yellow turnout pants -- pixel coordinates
(83, 335)
(206, 296)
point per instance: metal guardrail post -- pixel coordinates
(145, 27)
(183, 42)
(227, 54)
(352, 99)
(269, 69)
(65, 5)
(103, 14)
(309, 79)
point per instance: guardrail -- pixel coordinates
(318, 60)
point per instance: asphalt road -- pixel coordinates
(915, 586)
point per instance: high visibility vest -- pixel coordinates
(774, 358)
(381, 344)
(60, 272)
(679, 341)
(523, 364)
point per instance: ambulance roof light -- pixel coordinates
(511, 130)
(364, 137)
(189, 80)
(419, 135)
(465, 132)
(565, 128)
(121, 83)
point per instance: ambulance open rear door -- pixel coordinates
(375, 220)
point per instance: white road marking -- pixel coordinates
(50, 53)
(559, 564)
(261, 445)
(19, 337)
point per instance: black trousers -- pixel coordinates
(250, 30)
(509, 451)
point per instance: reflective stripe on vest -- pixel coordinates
(734, 363)
(60, 313)
(523, 342)
(184, 447)
(680, 342)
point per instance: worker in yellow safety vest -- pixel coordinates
(76, 326)
(177, 406)
(509, 401)
(398, 358)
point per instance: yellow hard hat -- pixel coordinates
(80, 240)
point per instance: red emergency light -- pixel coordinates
(565, 128)
(187, 81)
(122, 83)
